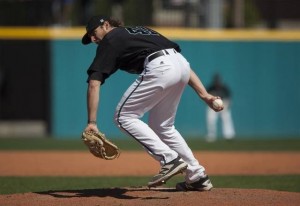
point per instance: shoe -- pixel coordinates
(167, 171)
(203, 184)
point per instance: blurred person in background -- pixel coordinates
(86, 9)
(218, 88)
(62, 12)
(3, 82)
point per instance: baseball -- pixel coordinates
(217, 103)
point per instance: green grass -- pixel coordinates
(284, 144)
(12, 185)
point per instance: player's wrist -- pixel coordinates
(92, 122)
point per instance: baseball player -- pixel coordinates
(218, 88)
(163, 74)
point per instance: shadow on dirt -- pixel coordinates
(118, 193)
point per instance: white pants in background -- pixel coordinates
(158, 91)
(228, 131)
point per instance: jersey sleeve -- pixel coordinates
(104, 63)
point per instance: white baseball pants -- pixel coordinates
(158, 91)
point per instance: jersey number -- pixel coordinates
(141, 30)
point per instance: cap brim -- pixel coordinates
(86, 39)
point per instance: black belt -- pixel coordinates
(158, 54)
(155, 55)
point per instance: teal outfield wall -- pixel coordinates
(264, 77)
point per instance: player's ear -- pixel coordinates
(106, 25)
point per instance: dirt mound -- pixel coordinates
(153, 197)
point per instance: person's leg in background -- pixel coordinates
(227, 123)
(211, 124)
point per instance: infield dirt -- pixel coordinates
(58, 163)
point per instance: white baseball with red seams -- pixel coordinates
(217, 103)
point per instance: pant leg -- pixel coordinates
(129, 111)
(163, 125)
(227, 123)
(211, 123)
(146, 92)
(162, 118)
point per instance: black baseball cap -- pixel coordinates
(93, 23)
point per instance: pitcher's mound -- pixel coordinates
(143, 196)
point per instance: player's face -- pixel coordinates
(98, 34)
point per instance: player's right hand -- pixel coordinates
(209, 101)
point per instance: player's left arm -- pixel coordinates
(199, 88)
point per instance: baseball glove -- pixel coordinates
(99, 146)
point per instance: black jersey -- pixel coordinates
(126, 48)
